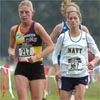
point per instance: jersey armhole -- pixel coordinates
(17, 28)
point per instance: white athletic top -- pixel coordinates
(74, 53)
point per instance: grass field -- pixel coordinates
(92, 93)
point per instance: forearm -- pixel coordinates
(95, 60)
(45, 52)
(56, 66)
(11, 49)
(41, 55)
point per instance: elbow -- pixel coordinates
(52, 47)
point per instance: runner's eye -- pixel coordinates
(22, 12)
(26, 12)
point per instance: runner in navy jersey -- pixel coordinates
(63, 27)
(74, 65)
(66, 6)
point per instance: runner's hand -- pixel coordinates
(11, 53)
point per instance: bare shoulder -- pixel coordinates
(13, 29)
(39, 29)
(56, 31)
(38, 25)
(84, 28)
(58, 26)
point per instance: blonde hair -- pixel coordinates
(27, 3)
(78, 13)
(73, 4)
(65, 5)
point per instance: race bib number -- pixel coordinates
(74, 66)
(25, 52)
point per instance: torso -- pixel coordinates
(32, 44)
(74, 53)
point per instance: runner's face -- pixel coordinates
(25, 13)
(73, 19)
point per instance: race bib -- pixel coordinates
(25, 52)
(74, 66)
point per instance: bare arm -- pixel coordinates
(56, 31)
(12, 43)
(46, 39)
(84, 28)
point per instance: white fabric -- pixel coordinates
(74, 47)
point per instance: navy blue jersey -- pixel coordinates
(65, 27)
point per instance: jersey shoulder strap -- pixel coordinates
(65, 27)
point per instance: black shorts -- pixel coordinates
(32, 71)
(68, 83)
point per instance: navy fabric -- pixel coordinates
(70, 83)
